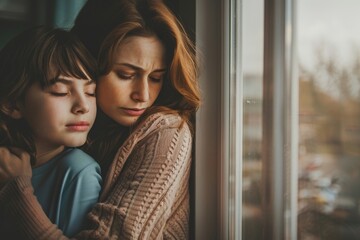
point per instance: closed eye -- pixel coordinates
(155, 79)
(59, 94)
(91, 94)
(158, 75)
(125, 76)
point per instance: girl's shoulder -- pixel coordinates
(77, 161)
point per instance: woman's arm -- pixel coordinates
(22, 210)
(18, 204)
(150, 199)
(14, 162)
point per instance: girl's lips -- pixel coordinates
(78, 126)
(134, 112)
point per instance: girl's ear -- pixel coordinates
(11, 109)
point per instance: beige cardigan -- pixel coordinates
(145, 193)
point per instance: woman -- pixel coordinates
(146, 94)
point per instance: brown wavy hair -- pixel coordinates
(38, 54)
(103, 24)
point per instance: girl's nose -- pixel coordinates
(81, 104)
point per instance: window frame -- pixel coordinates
(280, 121)
(219, 121)
(209, 142)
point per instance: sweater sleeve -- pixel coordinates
(80, 185)
(21, 208)
(146, 197)
(150, 191)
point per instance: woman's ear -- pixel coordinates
(11, 109)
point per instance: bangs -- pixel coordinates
(69, 63)
(62, 55)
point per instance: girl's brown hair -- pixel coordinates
(38, 54)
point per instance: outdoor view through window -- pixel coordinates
(328, 57)
(252, 65)
(329, 119)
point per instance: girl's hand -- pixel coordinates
(14, 162)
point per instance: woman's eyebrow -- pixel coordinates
(160, 70)
(139, 68)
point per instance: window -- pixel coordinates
(285, 163)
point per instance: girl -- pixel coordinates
(47, 107)
(147, 92)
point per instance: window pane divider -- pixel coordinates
(236, 99)
(280, 122)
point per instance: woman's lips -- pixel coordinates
(78, 126)
(134, 112)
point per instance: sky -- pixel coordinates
(332, 24)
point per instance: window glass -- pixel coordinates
(329, 119)
(252, 64)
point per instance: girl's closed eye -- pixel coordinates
(91, 91)
(91, 94)
(58, 91)
(60, 94)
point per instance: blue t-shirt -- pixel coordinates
(67, 187)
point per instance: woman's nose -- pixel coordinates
(140, 91)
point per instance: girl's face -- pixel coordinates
(60, 114)
(135, 79)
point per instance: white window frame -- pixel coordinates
(218, 146)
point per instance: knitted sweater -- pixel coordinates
(145, 193)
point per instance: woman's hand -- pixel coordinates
(14, 162)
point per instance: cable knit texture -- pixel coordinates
(145, 193)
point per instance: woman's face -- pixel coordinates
(134, 81)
